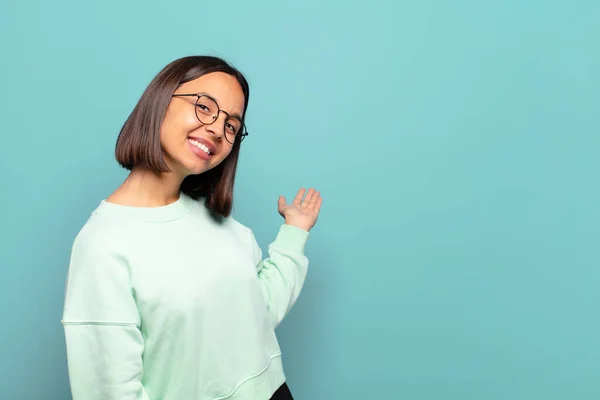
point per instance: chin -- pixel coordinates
(195, 166)
(197, 170)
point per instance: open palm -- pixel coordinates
(303, 211)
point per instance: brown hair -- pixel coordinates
(138, 143)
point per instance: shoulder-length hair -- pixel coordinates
(138, 143)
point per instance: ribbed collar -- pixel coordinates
(179, 208)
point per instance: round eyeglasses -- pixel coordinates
(207, 111)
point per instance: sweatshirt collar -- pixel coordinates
(179, 208)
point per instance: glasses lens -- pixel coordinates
(233, 127)
(206, 110)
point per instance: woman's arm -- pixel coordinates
(101, 322)
(282, 274)
(104, 361)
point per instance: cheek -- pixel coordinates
(177, 123)
(223, 155)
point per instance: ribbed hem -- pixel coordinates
(179, 208)
(262, 386)
(291, 239)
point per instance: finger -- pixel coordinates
(281, 204)
(308, 197)
(299, 196)
(318, 205)
(313, 200)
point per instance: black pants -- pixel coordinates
(283, 393)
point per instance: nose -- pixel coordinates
(217, 128)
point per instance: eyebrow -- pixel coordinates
(235, 115)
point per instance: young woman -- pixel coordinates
(167, 295)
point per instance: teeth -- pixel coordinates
(200, 146)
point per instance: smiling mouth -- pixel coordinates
(201, 146)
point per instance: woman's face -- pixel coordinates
(191, 147)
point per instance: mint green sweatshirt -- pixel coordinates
(168, 303)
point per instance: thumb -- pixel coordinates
(281, 205)
(281, 201)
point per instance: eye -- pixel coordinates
(231, 129)
(203, 107)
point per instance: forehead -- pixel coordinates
(224, 88)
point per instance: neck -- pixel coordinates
(146, 188)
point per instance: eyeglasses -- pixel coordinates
(207, 112)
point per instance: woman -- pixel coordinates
(167, 295)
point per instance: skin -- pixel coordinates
(146, 188)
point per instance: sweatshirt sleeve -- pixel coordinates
(282, 274)
(102, 325)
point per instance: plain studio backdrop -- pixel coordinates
(455, 144)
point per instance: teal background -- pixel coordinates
(455, 145)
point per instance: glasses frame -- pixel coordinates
(239, 136)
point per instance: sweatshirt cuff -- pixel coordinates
(291, 239)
